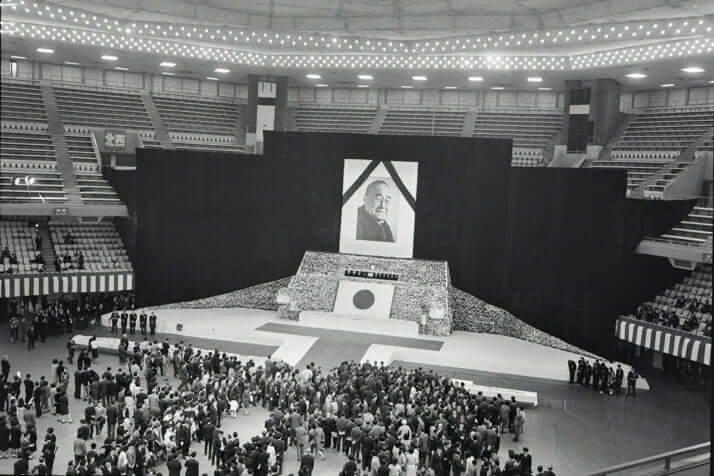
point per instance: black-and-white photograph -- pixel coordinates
(356, 237)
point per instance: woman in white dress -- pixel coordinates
(412, 461)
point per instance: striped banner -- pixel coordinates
(42, 285)
(664, 339)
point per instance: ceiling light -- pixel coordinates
(535, 79)
(221, 70)
(497, 88)
(18, 57)
(71, 63)
(449, 87)
(476, 78)
(211, 78)
(167, 73)
(313, 76)
(321, 85)
(363, 85)
(711, 82)
(167, 64)
(406, 87)
(121, 68)
(47, 51)
(109, 58)
(636, 75)
(693, 69)
(545, 89)
(365, 77)
(419, 78)
(668, 85)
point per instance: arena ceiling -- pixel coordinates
(503, 41)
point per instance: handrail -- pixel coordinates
(666, 458)
(196, 97)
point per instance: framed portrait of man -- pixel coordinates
(378, 208)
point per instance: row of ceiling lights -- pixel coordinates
(685, 26)
(361, 77)
(223, 55)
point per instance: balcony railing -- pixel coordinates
(671, 462)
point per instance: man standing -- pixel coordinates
(142, 322)
(132, 323)
(152, 323)
(632, 377)
(619, 377)
(124, 320)
(192, 465)
(115, 320)
(571, 368)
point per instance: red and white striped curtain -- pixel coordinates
(55, 283)
(664, 339)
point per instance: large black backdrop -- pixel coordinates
(551, 245)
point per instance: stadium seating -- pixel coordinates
(94, 189)
(99, 243)
(26, 145)
(19, 238)
(696, 228)
(102, 108)
(197, 116)
(637, 171)
(435, 122)
(685, 306)
(205, 142)
(81, 148)
(47, 187)
(329, 118)
(529, 130)
(663, 130)
(22, 102)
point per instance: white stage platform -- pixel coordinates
(464, 350)
(353, 323)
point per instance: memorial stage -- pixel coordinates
(299, 344)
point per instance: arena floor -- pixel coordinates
(574, 429)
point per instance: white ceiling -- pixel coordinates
(507, 29)
(395, 19)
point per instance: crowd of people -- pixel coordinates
(601, 377)
(385, 421)
(683, 316)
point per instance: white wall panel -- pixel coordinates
(72, 73)
(546, 99)
(450, 98)
(526, 99)
(226, 90)
(507, 98)
(359, 96)
(189, 86)
(242, 91)
(172, 85)
(395, 96)
(323, 95)
(52, 72)
(134, 80)
(468, 98)
(306, 95)
(412, 97)
(293, 94)
(24, 69)
(114, 78)
(677, 97)
(642, 99)
(491, 99)
(697, 95)
(209, 88)
(658, 98)
(341, 95)
(5, 67)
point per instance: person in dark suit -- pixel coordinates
(174, 466)
(571, 368)
(192, 465)
(372, 215)
(307, 464)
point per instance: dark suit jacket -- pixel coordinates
(174, 466)
(191, 467)
(370, 229)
